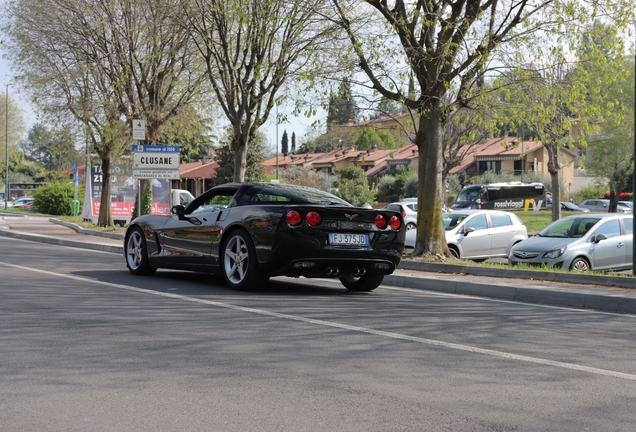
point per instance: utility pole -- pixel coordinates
(6, 139)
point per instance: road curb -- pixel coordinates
(563, 297)
(515, 273)
(61, 242)
(81, 230)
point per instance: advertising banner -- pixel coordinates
(123, 192)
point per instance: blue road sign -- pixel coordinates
(155, 149)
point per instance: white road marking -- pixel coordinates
(424, 341)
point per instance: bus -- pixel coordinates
(502, 196)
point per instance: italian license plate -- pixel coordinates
(348, 239)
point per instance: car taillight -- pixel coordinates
(313, 218)
(403, 214)
(293, 218)
(395, 223)
(380, 221)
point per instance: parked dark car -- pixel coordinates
(569, 206)
(252, 231)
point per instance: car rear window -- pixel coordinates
(499, 220)
(629, 225)
(278, 193)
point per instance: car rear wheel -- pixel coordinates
(363, 283)
(410, 226)
(580, 265)
(137, 253)
(240, 266)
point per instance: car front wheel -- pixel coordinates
(240, 266)
(137, 253)
(580, 265)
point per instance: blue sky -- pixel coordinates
(299, 125)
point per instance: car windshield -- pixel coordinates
(451, 220)
(569, 228)
(468, 195)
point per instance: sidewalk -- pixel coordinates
(605, 293)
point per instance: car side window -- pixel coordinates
(629, 225)
(610, 228)
(265, 197)
(478, 222)
(500, 220)
(219, 200)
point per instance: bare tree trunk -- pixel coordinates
(240, 161)
(105, 219)
(554, 168)
(431, 238)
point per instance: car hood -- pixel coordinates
(544, 244)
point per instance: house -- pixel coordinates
(403, 157)
(338, 158)
(283, 162)
(196, 177)
(509, 155)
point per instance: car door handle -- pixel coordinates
(620, 245)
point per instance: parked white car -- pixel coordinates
(479, 234)
(18, 202)
(581, 243)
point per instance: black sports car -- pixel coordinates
(249, 232)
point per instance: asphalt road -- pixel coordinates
(84, 345)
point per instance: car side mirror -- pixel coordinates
(597, 238)
(178, 210)
(468, 230)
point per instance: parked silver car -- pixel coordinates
(581, 243)
(479, 234)
(602, 205)
(18, 202)
(408, 209)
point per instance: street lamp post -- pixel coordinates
(6, 139)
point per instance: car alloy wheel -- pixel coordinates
(137, 253)
(240, 266)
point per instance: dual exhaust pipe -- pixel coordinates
(357, 272)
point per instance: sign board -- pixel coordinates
(155, 149)
(156, 161)
(139, 129)
(170, 174)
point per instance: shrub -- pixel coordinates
(56, 198)
(589, 192)
(386, 189)
(410, 186)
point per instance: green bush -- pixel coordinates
(386, 189)
(410, 186)
(589, 192)
(56, 198)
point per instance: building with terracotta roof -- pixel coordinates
(509, 155)
(283, 162)
(402, 158)
(338, 158)
(196, 177)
